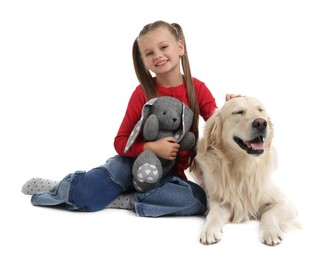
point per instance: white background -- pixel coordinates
(66, 75)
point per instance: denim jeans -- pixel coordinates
(95, 189)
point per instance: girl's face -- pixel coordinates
(160, 51)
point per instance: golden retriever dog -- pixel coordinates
(235, 158)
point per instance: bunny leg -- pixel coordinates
(147, 171)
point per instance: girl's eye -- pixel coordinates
(164, 47)
(148, 54)
(239, 112)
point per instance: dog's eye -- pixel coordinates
(239, 112)
(260, 109)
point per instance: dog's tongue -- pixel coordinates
(255, 146)
(258, 146)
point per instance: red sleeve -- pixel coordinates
(131, 117)
(206, 101)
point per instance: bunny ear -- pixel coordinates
(187, 118)
(136, 130)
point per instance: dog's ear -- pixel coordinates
(212, 133)
(136, 130)
(268, 142)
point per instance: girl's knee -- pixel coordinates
(94, 190)
(198, 192)
(120, 170)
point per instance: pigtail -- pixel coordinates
(147, 82)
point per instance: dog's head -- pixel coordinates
(242, 124)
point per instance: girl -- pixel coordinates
(158, 54)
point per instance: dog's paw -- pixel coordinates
(272, 236)
(210, 235)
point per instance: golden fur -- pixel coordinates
(236, 159)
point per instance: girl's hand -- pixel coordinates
(166, 148)
(231, 96)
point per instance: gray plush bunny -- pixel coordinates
(161, 117)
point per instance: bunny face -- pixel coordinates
(168, 112)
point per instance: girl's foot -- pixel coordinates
(124, 201)
(36, 185)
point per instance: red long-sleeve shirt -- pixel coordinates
(207, 106)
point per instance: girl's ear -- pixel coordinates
(181, 47)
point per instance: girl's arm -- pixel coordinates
(206, 101)
(131, 117)
(166, 148)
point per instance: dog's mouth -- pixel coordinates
(254, 146)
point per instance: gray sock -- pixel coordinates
(35, 185)
(124, 201)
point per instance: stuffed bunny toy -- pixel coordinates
(161, 117)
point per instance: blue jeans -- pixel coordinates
(95, 189)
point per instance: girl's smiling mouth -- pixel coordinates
(160, 63)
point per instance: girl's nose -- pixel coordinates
(157, 55)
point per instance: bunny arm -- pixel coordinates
(187, 142)
(151, 128)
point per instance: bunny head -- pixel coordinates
(168, 112)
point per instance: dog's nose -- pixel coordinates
(259, 124)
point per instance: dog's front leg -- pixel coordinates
(276, 220)
(212, 229)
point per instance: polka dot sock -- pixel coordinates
(35, 185)
(124, 201)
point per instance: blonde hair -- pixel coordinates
(148, 83)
